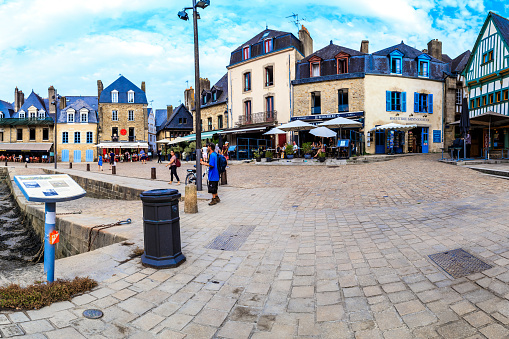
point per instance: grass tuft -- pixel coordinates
(39, 294)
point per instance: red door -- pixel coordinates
(281, 139)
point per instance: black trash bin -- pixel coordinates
(161, 228)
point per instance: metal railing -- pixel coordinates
(257, 118)
(343, 108)
(316, 110)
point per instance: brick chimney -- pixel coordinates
(364, 46)
(204, 84)
(425, 51)
(306, 40)
(21, 99)
(63, 102)
(143, 86)
(169, 112)
(52, 101)
(16, 100)
(189, 98)
(435, 49)
(100, 88)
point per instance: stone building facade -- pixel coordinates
(214, 106)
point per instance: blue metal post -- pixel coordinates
(49, 250)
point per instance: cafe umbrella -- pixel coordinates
(464, 124)
(323, 132)
(275, 131)
(341, 122)
(296, 126)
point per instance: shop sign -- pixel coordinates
(54, 237)
(123, 131)
(329, 116)
(409, 119)
(437, 136)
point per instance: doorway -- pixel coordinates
(379, 142)
(424, 140)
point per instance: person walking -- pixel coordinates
(174, 163)
(213, 172)
(112, 159)
(143, 157)
(468, 142)
(159, 156)
(100, 162)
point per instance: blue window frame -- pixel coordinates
(395, 101)
(423, 103)
(77, 137)
(90, 137)
(65, 137)
(423, 65)
(396, 65)
(487, 57)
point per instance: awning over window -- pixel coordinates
(245, 130)
(393, 126)
(25, 146)
(204, 135)
(122, 145)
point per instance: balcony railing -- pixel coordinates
(114, 138)
(257, 118)
(132, 138)
(343, 108)
(316, 110)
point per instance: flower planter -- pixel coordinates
(307, 156)
(321, 159)
(258, 159)
(289, 156)
(269, 159)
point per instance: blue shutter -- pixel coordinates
(430, 103)
(388, 101)
(89, 157)
(403, 102)
(65, 155)
(416, 102)
(77, 156)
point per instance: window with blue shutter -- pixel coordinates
(423, 65)
(396, 62)
(388, 101)
(403, 101)
(430, 103)
(416, 102)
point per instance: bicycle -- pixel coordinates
(191, 176)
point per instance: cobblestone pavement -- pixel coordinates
(334, 253)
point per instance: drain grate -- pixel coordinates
(458, 263)
(231, 239)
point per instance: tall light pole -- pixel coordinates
(183, 15)
(55, 102)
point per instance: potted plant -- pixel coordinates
(289, 151)
(257, 156)
(306, 148)
(268, 155)
(188, 152)
(321, 157)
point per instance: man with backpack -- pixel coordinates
(215, 164)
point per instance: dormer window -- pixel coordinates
(268, 45)
(246, 53)
(214, 96)
(314, 66)
(205, 98)
(22, 115)
(423, 65)
(32, 115)
(70, 117)
(396, 59)
(84, 115)
(42, 114)
(130, 97)
(342, 63)
(114, 96)
(1, 115)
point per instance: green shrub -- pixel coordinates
(289, 149)
(322, 155)
(306, 147)
(268, 154)
(256, 154)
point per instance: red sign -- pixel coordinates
(123, 132)
(54, 238)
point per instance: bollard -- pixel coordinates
(5, 163)
(88, 167)
(191, 199)
(70, 165)
(113, 169)
(153, 173)
(161, 229)
(26, 164)
(224, 178)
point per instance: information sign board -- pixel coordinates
(49, 188)
(437, 136)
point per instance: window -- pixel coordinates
(490, 98)
(84, 116)
(316, 103)
(269, 104)
(41, 114)
(268, 45)
(498, 96)
(130, 97)
(19, 134)
(506, 94)
(180, 121)
(396, 61)
(204, 98)
(219, 121)
(1, 115)
(45, 134)
(247, 110)
(342, 65)
(114, 134)
(114, 96)
(70, 117)
(65, 137)
(132, 136)
(423, 103)
(130, 115)
(269, 75)
(32, 115)
(22, 115)
(32, 134)
(114, 115)
(484, 101)
(343, 100)
(185, 120)
(315, 69)
(246, 53)
(209, 124)
(459, 96)
(478, 102)
(395, 101)
(90, 137)
(472, 103)
(487, 57)
(247, 81)
(214, 96)
(423, 68)
(77, 137)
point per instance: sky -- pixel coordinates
(70, 44)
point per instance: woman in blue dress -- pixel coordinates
(100, 162)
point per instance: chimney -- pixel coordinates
(435, 49)
(169, 112)
(21, 99)
(63, 102)
(52, 100)
(306, 41)
(189, 98)
(425, 51)
(16, 100)
(204, 84)
(100, 88)
(143, 86)
(365, 46)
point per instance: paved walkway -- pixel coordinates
(333, 253)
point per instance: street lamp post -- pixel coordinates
(55, 102)
(183, 15)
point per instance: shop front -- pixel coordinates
(124, 151)
(26, 152)
(392, 138)
(243, 142)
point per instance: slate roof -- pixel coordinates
(446, 58)
(149, 110)
(89, 100)
(331, 50)
(502, 25)
(409, 52)
(160, 116)
(77, 105)
(259, 37)
(123, 85)
(459, 63)
(34, 100)
(167, 123)
(6, 108)
(221, 84)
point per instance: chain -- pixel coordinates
(99, 228)
(66, 213)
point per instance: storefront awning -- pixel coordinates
(25, 146)
(204, 135)
(122, 145)
(393, 126)
(245, 130)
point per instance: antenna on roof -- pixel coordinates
(266, 26)
(151, 101)
(296, 20)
